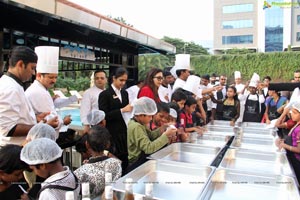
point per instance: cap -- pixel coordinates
(254, 80)
(144, 106)
(182, 61)
(41, 130)
(192, 84)
(40, 151)
(47, 59)
(173, 113)
(95, 117)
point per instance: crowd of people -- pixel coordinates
(122, 126)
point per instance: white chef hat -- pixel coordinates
(95, 117)
(182, 61)
(296, 105)
(41, 130)
(237, 74)
(144, 106)
(254, 80)
(192, 85)
(40, 151)
(294, 98)
(47, 59)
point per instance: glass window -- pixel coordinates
(237, 39)
(298, 19)
(298, 37)
(237, 24)
(238, 8)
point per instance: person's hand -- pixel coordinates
(218, 88)
(127, 108)
(67, 120)
(24, 197)
(54, 122)
(199, 130)
(55, 97)
(170, 132)
(268, 121)
(232, 123)
(281, 144)
(278, 141)
(41, 116)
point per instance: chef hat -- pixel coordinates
(173, 71)
(173, 113)
(237, 74)
(47, 59)
(192, 84)
(254, 80)
(294, 98)
(95, 117)
(182, 61)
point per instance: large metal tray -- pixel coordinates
(187, 153)
(260, 133)
(213, 140)
(256, 161)
(171, 180)
(236, 185)
(254, 143)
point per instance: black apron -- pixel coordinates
(273, 114)
(219, 108)
(229, 112)
(252, 113)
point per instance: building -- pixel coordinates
(87, 40)
(257, 25)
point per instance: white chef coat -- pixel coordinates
(179, 83)
(165, 91)
(14, 109)
(89, 102)
(41, 101)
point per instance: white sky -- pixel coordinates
(189, 20)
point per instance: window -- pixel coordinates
(298, 37)
(238, 8)
(237, 24)
(237, 39)
(298, 19)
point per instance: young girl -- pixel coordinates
(187, 118)
(231, 105)
(292, 143)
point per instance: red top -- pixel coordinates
(146, 91)
(187, 118)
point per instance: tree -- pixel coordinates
(120, 19)
(186, 47)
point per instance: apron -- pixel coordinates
(273, 114)
(229, 112)
(251, 113)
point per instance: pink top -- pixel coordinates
(296, 139)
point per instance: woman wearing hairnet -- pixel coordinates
(141, 141)
(44, 157)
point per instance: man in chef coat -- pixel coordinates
(16, 114)
(47, 72)
(181, 70)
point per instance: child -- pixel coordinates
(93, 171)
(231, 106)
(186, 118)
(11, 170)
(181, 136)
(161, 117)
(292, 143)
(44, 157)
(140, 140)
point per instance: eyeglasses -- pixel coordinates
(296, 76)
(159, 78)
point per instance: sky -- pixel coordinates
(189, 20)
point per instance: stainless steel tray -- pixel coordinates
(212, 140)
(250, 132)
(187, 153)
(254, 125)
(171, 180)
(237, 185)
(256, 161)
(258, 144)
(219, 123)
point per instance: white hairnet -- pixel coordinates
(95, 117)
(173, 113)
(296, 105)
(41, 130)
(40, 151)
(144, 106)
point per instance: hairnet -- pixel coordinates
(296, 105)
(144, 106)
(95, 117)
(42, 130)
(40, 151)
(173, 113)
